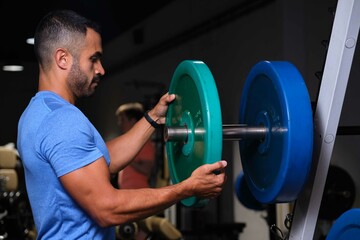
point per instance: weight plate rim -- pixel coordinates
(348, 220)
(245, 196)
(285, 188)
(203, 79)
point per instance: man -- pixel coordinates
(67, 164)
(137, 174)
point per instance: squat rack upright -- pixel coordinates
(334, 81)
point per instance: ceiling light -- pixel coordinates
(12, 68)
(30, 41)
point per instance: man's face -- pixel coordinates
(80, 84)
(87, 69)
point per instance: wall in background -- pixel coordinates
(230, 38)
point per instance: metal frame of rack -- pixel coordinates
(335, 77)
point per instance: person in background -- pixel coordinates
(67, 164)
(137, 174)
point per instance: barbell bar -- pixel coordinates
(231, 132)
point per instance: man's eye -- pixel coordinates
(94, 59)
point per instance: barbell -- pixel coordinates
(275, 128)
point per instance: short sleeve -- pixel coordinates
(67, 140)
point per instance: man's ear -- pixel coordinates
(62, 58)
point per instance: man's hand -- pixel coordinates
(207, 180)
(158, 113)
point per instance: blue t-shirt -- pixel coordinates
(55, 138)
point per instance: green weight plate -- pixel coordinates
(276, 167)
(197, 107)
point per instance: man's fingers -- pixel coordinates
(218, 167)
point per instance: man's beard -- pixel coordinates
(78, 82)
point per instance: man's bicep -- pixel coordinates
(89, 185)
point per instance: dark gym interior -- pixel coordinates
(143, 44)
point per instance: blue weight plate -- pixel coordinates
(275, 96)
(196, 106)
(244, 195)
(346, 227)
